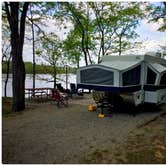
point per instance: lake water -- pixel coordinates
(41, 81)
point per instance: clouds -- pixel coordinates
(149, 36)
(152, 45)
(152, 26)
(148, 46)
(55, 26)
(149, 30)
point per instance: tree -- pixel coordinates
(78, 14)
(16, 15)
(163, 51)
(103, 26)
(6, 60)
(51, 51)
(127, 20)
(34, 21)
(72, 48)
(33, 45)
(6, 49)
(115, 25)
(158, 12)
(101, 22)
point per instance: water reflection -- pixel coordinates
(41, 81)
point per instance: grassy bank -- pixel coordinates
(6, 106)
(40, 69)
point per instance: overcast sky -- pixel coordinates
(151, 38)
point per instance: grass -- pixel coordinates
(146, 145)
(6, 106)
(96, 157)
(152, 153)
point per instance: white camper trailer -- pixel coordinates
(141, 77)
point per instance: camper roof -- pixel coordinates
(120, 65)
(131, 59)
(159, 68)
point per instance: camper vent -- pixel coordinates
(97, 76)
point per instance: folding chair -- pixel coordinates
(74, 90)
(59, 98)
(63, 90)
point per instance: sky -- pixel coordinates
(148, 35)
(51, 27)
(152, 39)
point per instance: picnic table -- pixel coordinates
(38, 92)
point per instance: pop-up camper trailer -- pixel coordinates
(141, 77)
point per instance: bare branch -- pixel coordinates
(36, 26)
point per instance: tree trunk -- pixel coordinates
(120, 45)
(82, 31)
(7, 76)
(87, 36)
(78, 64)
(17, 61)
(17, 26)
(33, 49)
(83, 48)
(54, 76)
(102, 42)
(18, 76)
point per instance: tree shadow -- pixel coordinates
(131, 109)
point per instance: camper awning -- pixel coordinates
(120, 65)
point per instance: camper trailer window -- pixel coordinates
(163, 80)
(151, 76)
(132, 77)
(97, 76)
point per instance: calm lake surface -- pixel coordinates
(41, 81)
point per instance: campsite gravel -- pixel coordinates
(46, 134)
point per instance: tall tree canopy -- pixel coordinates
(72, 48)
(104, 27)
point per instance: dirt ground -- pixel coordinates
(46, 134)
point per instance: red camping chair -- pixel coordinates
(59, 98)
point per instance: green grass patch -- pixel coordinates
(145, 145)
(149, 147)
(6, 106)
